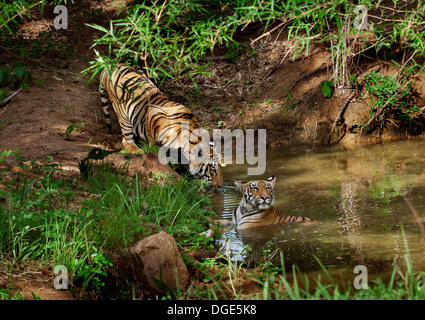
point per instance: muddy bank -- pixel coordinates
(269, 89)
(262, 86)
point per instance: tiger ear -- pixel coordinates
(271, 180)
(240, 185)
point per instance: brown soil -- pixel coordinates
(33, 285)
(251, 92)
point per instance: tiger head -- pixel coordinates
(257, 194)
(209, 168)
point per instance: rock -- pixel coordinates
(131, 162)
(208, 234)
(152, 164)
(356, 114)
(162, 261)
(141, 164)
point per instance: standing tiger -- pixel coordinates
(145, 113)
(255, 208)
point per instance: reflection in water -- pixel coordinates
(350, 220)
(359, 199)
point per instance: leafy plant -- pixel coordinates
(327, 88)
(86, 168)
(14, 11)
(15, 154)
(19, 76)
(389, 97)
(168, 38)
(71, 128)
(92, 271)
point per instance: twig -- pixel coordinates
(230, 273)
(344, 106)
(314, 136)
(347, 102)
(285, 22)
(20, 13)
(5, 101)
(215, 58)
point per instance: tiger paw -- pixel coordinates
(130, 148)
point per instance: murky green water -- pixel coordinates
(362, 199)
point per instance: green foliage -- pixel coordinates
(92, 269)
(173, 206)
(14, 11)
(327, 88)
(390, 97)
(23, 75)
(404, 284)
(7, 294)
(69, 130)
(86, 167)
(335, 23)
(13, 79)
(38, 224)
(168, 38)
(386, 89)
(149, 147)
(10, 153)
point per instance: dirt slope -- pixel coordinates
(263, 87)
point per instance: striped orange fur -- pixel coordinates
(255, 208)
(145, 113)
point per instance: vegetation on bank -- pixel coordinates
(172, 38)
(180, 39)
(49, 219)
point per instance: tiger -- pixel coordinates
(145, 113)
(255, 208)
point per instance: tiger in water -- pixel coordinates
(255, 208)
(145, 113)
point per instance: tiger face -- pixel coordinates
(208, 168)
(258, 194)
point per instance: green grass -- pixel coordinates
(402, 285)
(43, 223)
(14, 11)
(135, 210)
(390, 98)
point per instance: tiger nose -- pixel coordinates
(264, 197)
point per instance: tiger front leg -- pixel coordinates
(128, 134)
(130, 146)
